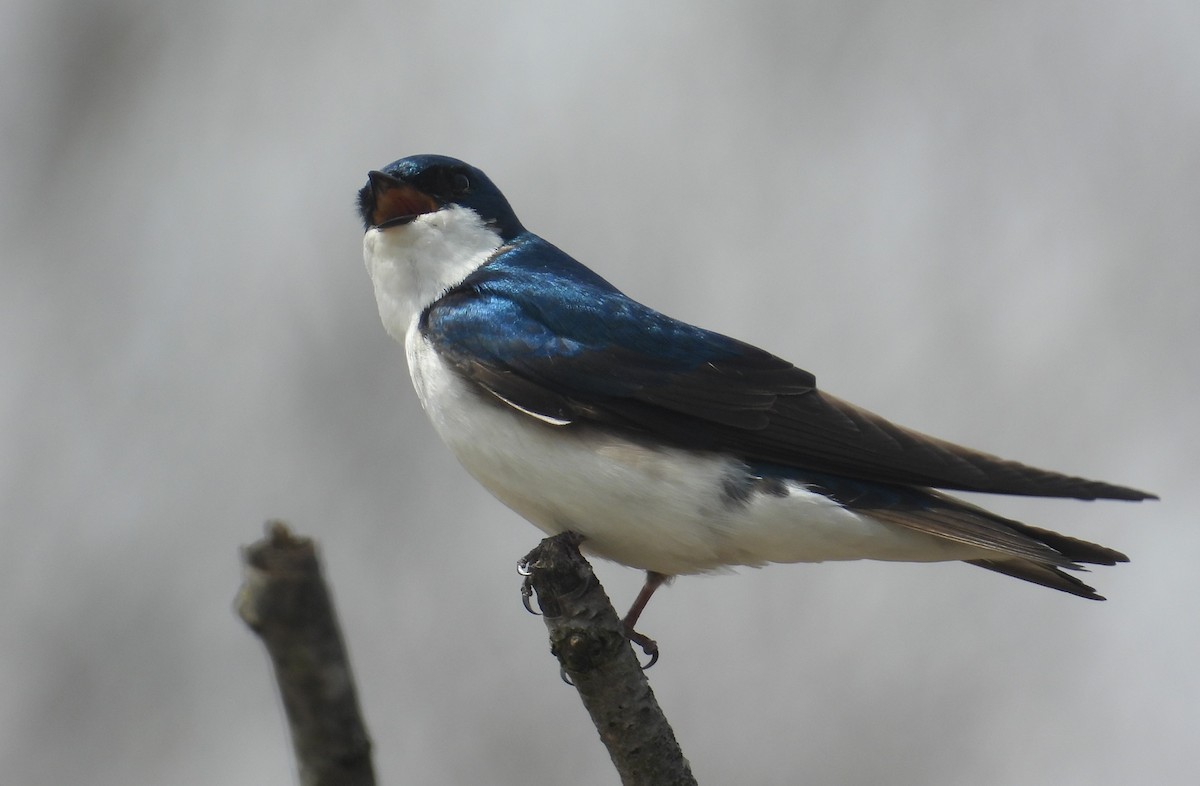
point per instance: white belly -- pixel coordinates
(653, 508)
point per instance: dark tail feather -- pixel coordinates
(1073, 549)
(1046, 575)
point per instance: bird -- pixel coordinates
(666, 447)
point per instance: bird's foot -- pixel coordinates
(527, 596)
(526, 568)
(649, 646)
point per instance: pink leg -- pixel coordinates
(649, 646)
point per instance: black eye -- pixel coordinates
(460, 183)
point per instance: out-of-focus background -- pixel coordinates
(980, 220)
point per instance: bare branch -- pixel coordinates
(589, 641)
(285, 601)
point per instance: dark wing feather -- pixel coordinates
(574, 349)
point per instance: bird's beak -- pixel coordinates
(396, 202)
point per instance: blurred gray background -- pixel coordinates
(980, 220)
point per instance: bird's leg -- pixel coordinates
(649, 646)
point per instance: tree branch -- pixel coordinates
(589, 641)
(285, 601)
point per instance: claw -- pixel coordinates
(527, 595)
(649, 646)
(562, 672)
(523, 569)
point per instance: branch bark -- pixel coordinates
(587, 637)
(284, 600)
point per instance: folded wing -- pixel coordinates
(573, 353)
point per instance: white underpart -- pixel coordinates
(414, 264)
(653, 508)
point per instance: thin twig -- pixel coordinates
(589, 641)
(285, 601)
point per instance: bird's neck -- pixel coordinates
(414, 264)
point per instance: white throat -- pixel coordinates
(414, 264)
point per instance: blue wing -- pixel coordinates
(545, 334)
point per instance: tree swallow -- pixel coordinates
(668, 447)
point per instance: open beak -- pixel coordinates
(396, 202)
